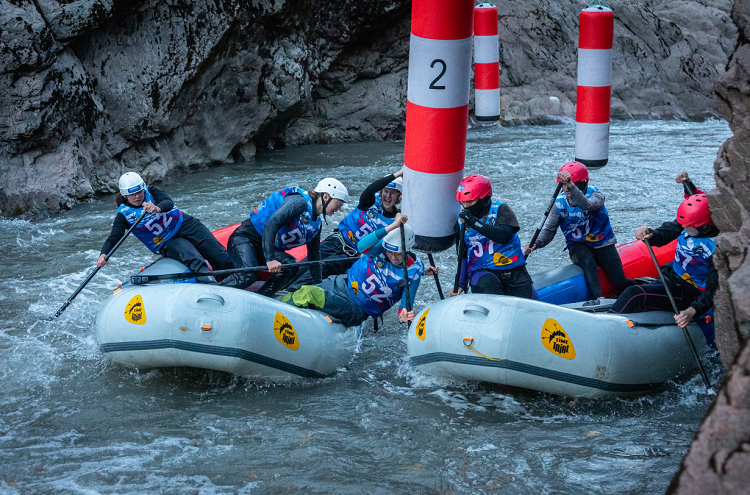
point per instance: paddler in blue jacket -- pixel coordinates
(376, 209)
(373, 284)
(692, 277)
(289, 218)
(580, 213)
(494, 262)
(165, 229)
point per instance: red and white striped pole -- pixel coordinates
(437, 113)
(595, 36)
(486, 64)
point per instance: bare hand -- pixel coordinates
(643, 233)
(274, 266)
(527, 249)
(457, 293)
(564, 176)
(151, 207)
(681, 177)
(685, 317)
(404, 316)
(432, 270)
(400, 173)
(102, 261)
(397, 220)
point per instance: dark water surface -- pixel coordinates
(71, 423)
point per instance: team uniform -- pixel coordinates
(370, 287)
(171, 233)
(692, 278)
(494, 261)
(367, 217)
(584, 221)
(285, 220)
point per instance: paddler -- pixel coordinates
(373, 284)
(165, 229)
(288, 218)
(488, 233)
(580, 213)
(692, 277)
(376, 209)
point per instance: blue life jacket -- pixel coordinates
(484, 254)
(155, 228)
(374, 282)
(691, 259)
(590, 227)
(296, 233)
(357, 224)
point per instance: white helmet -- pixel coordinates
(392, 240)
(131, 183)
(334, 188)
(397, 184)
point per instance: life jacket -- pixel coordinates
(155, 228)
(376, 284)
(297, 232)
(691, 259)
(357, 224)
(590, 227)
(484, 254)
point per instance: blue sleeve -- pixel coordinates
(370, 240)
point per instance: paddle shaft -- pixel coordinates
(437, 280)
(96, 269)
(142, 279)
(461, 254)
(685, 332)
(406, 271)
(544, 218)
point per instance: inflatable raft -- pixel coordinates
(569, 351)
(217, 328)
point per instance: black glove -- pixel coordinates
(468, 218)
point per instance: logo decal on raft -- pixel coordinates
(421, 328)
(556, 341)
(135, 312)
(284, 332)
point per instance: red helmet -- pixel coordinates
(694, 212)
(577, 170)
(473, 187)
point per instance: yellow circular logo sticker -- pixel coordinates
(421, 328)
(284, 332)
(135, 312)
(556, 341)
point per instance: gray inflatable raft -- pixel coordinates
(216, 328)
(560, 350)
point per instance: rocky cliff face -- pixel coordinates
(92, 88)
(720, 454)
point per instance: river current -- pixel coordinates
(73, 423)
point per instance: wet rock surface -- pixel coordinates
(91, 88)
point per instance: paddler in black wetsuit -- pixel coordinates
(165, 229)
(289, 218)
(376, 209)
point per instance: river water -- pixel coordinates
(72, 423)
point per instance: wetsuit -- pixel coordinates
(368, 216)
(286, 219)
(590, 240)
(172, 234)
(692, 277)
(370, 287)
(494, 261)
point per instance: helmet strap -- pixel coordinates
(325, 206)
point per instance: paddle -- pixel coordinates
(437, 280)
(406, 271)
(544, 218)
(684, 329)
(91, 275)
(142, 279)
(461, 254)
